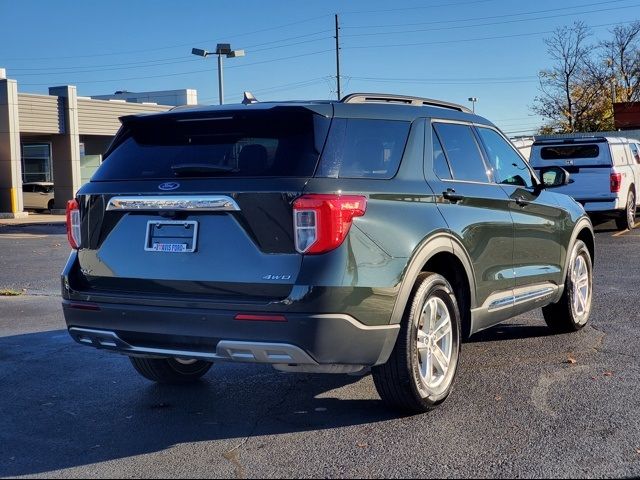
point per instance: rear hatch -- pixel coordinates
(588, 162)
(199, 204)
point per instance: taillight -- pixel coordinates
(321, 222)
(73, 223)
(616, 182)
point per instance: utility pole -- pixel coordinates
(338, 57)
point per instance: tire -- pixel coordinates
(627, 219)
(170, 370)
(572, 312)
(406, 382)
(50, 205)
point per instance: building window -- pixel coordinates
(36, 162)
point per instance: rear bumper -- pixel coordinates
(593, 205)
(303, 339)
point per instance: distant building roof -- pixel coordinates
(187, 96)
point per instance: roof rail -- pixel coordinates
(403, 99)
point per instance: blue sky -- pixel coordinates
(447, 49)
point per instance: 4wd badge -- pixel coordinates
(276, 277)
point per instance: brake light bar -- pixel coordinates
(321, 222)
(73, 224)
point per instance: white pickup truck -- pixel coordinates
(605, 173)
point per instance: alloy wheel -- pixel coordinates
(434, 342)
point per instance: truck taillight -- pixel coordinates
(616, 182)
(321, 222)
(73, 224)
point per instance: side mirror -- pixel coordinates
(553, 177)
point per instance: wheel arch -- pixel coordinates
(445, 255)
(583, 230)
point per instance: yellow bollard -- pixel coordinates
(14, 200)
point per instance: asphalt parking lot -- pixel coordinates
(526, 403)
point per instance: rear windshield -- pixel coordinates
(283, 142)
(566, 152)
(364, 148)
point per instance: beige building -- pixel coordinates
(61, 137)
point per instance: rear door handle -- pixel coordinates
(452, 196)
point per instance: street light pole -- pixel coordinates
(473, 101)
(220, 80)
(221, 49)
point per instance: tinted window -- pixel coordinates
(569, 151)
(281, 142)
(634, 152)
(440, 164)
(361, 148)
(27, 188)
(462, 151)
(508, 166)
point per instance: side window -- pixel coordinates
(440, 163)
(363, 148)
(508, 166)
(462, 151)
(27, 188)
(634, 152)
(619, 155)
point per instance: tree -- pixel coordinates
(573, 91)
(621, 54)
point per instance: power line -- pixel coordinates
(232, 36)
(144, 63)
(292, 44)
(287, 39)
(438, 22)
(416, 8)
(74, 72)
(449, 81)
(530, 130)
(286, 86)
(520, 20)
(497, 37)
(133, 66)
(99, 65)
(184, 73)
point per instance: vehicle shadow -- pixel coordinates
(65, 406)
(512, 331)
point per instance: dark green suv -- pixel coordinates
(371, 233)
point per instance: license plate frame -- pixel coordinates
(178, 240)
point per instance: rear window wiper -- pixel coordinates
(200, 169)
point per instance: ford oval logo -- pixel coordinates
(168, 186)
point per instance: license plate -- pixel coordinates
(171, 236)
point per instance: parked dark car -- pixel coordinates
(325, 236)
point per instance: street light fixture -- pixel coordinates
(222, 49)
(473, 101)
